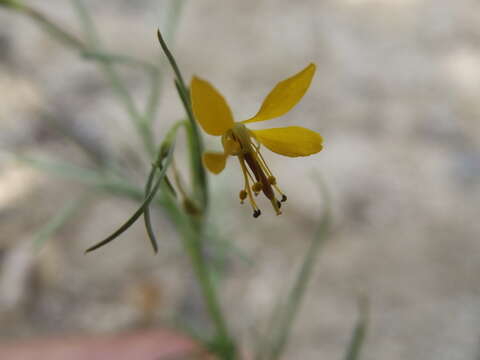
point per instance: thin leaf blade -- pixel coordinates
(359, 333)
(142, 207)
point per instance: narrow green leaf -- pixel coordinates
(171, 60)
(200, 180)
(359, 332)
(183, 93)
(162, 153)
(146, 214)
(195, 148)
(142, 208)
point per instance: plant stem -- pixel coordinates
(222, 344)
(200, 181)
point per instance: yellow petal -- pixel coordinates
(290, 141)
(214, 161)
(285, 95)
(210, 108)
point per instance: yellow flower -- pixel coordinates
(215, 117)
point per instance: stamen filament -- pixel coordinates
(252, 179)
(262, 161)
(284, 197)
(256, 210)
(265, 167)
(259, 171)
(263, 164)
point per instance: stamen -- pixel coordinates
(256, 210)
(263, 176)
(276, 206)
(255, 168)
(257, 187)
(242, 195)
(263, 162)
(252, 160)
(250, 174)
(270, 178)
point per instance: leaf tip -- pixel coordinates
(160, 37)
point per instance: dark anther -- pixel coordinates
(256, 213)
(284, 198)
(279, 204)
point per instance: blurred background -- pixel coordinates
(395, 98)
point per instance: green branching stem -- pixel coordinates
(222, 344)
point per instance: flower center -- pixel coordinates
(230, 144)
(258, 178)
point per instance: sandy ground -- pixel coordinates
(395, 98)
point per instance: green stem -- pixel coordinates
(222, 344)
